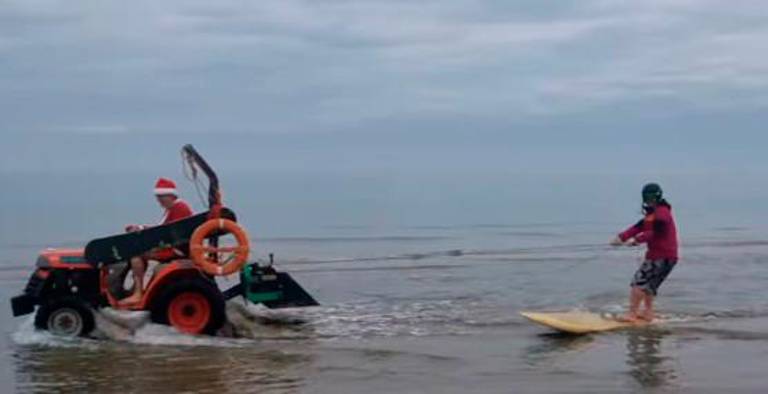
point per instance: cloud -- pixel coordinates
(294, 66)
(92, 129)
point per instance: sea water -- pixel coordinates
(421, 277)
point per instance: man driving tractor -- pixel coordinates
(175, 209)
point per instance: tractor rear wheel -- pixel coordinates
(190, 305)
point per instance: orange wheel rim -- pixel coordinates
(206, 256)
(189, 312)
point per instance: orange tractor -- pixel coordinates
(69, 284)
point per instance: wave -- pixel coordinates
(731, 228)
(726, 243)
(387, 238)
(43, 246)
(522, 254)
(466, 226)
(750, 313)
(12, 267)
(518, 225)
(531, 234)
(387, 268)
(725, 334)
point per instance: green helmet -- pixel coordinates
(652, 193)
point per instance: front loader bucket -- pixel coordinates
(293, 295)
(271, 288)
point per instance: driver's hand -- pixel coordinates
(617, 242)
(132, 228)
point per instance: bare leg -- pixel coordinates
(138, 267)
(648, 314)
(635, 297)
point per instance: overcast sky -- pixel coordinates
(381, 84)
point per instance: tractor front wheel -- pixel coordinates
(67, 317)
(190, 305)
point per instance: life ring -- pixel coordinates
(206, 256)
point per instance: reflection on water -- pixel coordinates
(121, 368)
(554, 345)
(648, 363)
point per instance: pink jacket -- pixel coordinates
(658, 230)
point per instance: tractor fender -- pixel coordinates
(169, 273)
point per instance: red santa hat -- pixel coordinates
(165, 186)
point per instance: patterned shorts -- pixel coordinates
(651, 274)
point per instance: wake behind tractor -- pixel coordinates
(69, 284)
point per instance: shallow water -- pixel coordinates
(424, 305)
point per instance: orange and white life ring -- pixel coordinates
(206, 256)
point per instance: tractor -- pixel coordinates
(68, 285)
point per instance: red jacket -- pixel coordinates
(179, 210)
(658, 230)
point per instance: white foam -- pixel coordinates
(249, 322)
(27, 334)
(158, 334)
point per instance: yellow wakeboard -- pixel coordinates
(577, 322)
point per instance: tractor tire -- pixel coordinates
(67, 317)
(190, 305)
